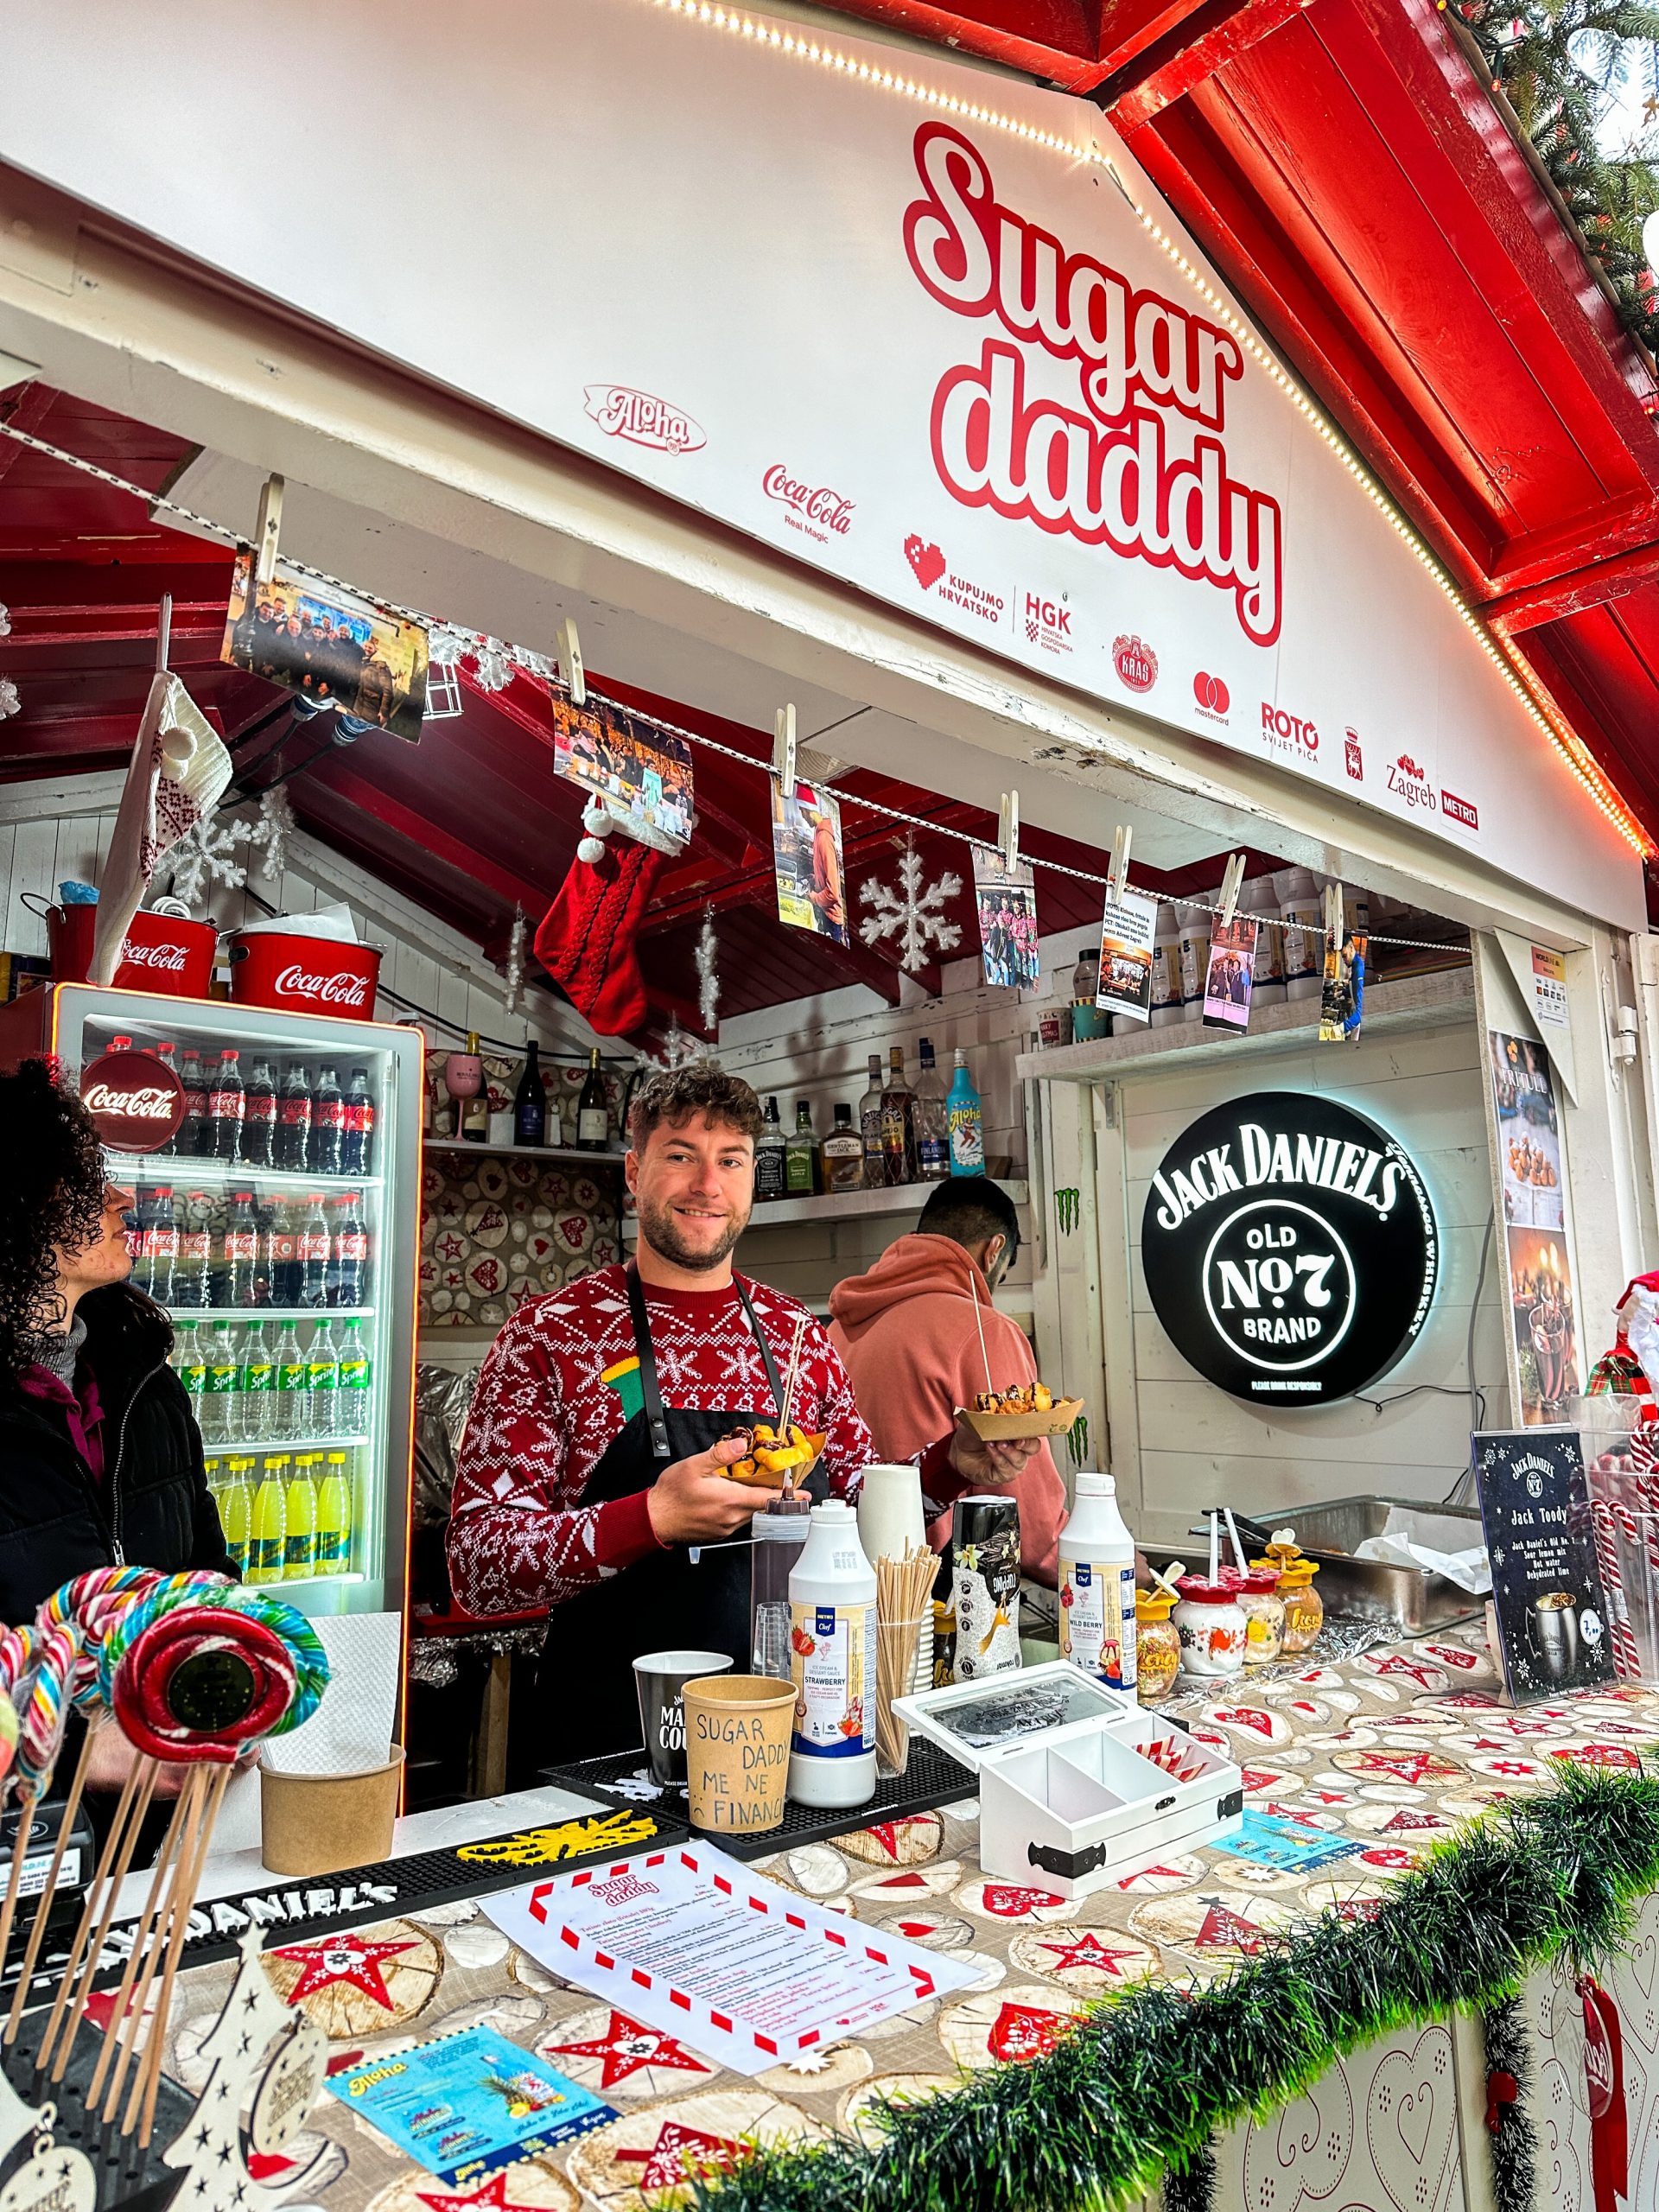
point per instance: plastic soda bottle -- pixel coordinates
(254, 1406)
(191, 1365)
(313, 1247)
(300, 1530)
(321, 1384)
(335, 1516)
(267, 1547)
(288, 1395)
(351, 1406)
(219, 1415)
(236, 1511)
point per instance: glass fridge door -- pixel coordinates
(280, 1229)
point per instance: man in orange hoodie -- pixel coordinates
(907, 1335)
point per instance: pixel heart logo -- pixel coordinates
(927, 562)
(1303, 2159)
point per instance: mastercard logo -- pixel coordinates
(1211, 693)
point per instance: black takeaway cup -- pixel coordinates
(659, 1677)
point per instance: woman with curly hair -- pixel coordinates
(100, 1456)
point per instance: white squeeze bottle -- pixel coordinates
(1097, 1585)
(832, 1663)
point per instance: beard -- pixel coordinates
(659, 1228)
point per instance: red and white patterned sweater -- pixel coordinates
(542, 1420)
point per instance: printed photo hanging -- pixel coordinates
(1230, 976)
(332, 647)
(806, 859)
(1006, 901)
(1127, 930)
(638, 773)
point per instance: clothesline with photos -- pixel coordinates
(496, 660)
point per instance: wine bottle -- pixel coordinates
(593, 1117)
(530, 1103)
(474, 1121)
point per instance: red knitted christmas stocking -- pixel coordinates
(589, 938)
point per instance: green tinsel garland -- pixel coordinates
(1148, 2077)
(1515, 2141)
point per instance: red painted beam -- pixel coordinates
(1209, 37)
(1515, 612)
(353, 789)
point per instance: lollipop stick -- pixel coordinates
(43, 1902)
(1215, 1546)
(29, 1799)
(148, 2080)
(1239, 1548)
(134, 1958)
(84, 1927)
(129, 2023)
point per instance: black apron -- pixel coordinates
(585, 1702)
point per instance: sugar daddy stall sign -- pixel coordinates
(1290, 1249)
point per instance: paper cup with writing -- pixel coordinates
(658, 1678)
(737, 1751)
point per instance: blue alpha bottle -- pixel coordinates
(967, 1122)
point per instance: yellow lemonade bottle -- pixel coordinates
(265, 1551)
(335, 1516)
(236, 1511)
(300, 1531)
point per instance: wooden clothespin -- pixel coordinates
(784, 749)
(1117, 882)
(267, 531)
(163, 632)
(1333, 903)
(576, 676)
(1007, 834)
(1231, 884)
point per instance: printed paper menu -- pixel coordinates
(747, 1973)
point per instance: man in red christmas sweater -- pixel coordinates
(591, 1473)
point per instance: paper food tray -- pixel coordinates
(998, 1428)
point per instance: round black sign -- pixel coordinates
(1290, 1249)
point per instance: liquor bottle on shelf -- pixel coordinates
(190, 1361)
(770, 1156)
(967, 1122)
(592, 1116)
(335, 1504)
(236, 1508)
(162, 1239)
(897, 1121)
(313, 1253)
(219, 1419)
(328, 1124)
(357, 1142)
(268, 1533)
(869, 1128)
(351, 1402)
(843, 1153)
(167, 1053)
(259, 1117)
(933, 1125)
(349, 1275)
(192, 1270)
(529, 1103)
(322, 1383)
(300, 1520)
(258, 1390)
(226, 1104)
(192, 1140)
(288, 1398)
(801, 1154)
(294, 1121)
(240, 1252)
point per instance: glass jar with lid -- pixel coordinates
(1264, 1615)
(1210, 1624)
(1304, 1607)
(1158, 1646)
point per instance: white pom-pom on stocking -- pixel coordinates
(599, 821)
(591, 849)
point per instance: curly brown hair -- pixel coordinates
(51, 1198)
(674, 1095)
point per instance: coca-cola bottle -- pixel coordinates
(356, 1149)
(225, 1106)
(192, 1268)
(196, 1128)
(162, 1240)
(351, 1256)
(328, 1124)
(260, 1118)
(241, 1251)
(166, 1054)
(293, 1120)
(282, 1254)
(314, 1255)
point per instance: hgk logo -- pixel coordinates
(1288, 730)
(1407, 782)
(1353, 758)
(328, 990)
(1048, 623)
(1212, 696)
(816, 504)
(167, 956)
(1136, 662)
(143, 1105)
(641, 419)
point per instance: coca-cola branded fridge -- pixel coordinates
(273, 1159)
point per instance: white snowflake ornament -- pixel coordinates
(271, 833)
(9, 702)
(515, 969)
(206, 854)
(5, 620)
(445, 645)
(708, 974)
(912, 913)
(492, 664)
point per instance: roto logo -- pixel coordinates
(1408, 783)
(170, 957)
(1281, 729)
(1213, 698)
(1136, 662)
(1113, 470)
(819, 507)
(325, 990)
(641, 419)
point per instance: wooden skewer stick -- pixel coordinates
(83, 1928)
(142, 1936)
(43, 1902)
(149, 2082)
(26, 1803)
(129, 2021)
(790, 1374)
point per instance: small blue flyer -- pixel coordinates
(463, 2105)
(1268, 1840)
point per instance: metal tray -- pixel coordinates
(1407, 1600)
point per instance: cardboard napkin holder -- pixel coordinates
(1066, 1801)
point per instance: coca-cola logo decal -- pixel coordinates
(341, 988)
(641, 419)
(820, 508)
(135, 1100)
(169, 958)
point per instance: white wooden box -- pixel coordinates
(1066, 1795)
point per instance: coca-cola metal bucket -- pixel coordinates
(304, 974)
(161, 952)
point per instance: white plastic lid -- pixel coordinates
(834, 1512)
(1092, 1485)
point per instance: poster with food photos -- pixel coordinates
(1552, 1619)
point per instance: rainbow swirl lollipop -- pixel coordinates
(196, 1588)
(44, 1710)
(310, 1660)
(93, 1603)
(200, 1683)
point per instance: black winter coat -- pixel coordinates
(153, 1508)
